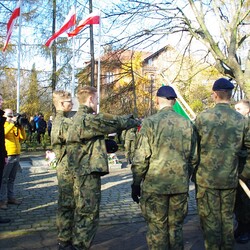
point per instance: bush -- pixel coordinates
(31, 143)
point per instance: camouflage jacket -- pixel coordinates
(244, 163)
(245, 159)
(86, 147)
(59, 132)
(246, 170)
(221, 132)
(165, 153)
(130, 135)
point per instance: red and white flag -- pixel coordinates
(15, 14)
(92, 18)
(69, 22)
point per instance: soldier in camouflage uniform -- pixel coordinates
(65, 211)
(129, 145)
(242, 204)
(163, 162)
(221, 132)
(87, 155)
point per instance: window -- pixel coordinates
(150, 62)
(109, 77)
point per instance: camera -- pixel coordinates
(21, 120)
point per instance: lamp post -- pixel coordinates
(152, 79)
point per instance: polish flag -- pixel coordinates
(92, 18)
(15, 14)
(69, 22)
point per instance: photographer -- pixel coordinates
(14, 133)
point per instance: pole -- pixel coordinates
(99, 67)
(180, 98)
(54, 49)
(151, 93)
(245, 188)
(18, 60)
(92, 82)
(73, 67)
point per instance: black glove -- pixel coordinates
(136, 192)
(111, 146)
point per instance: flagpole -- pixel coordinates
(184, 102)
(99, 67)
(73, 68)
(18, 60)
(181, 98)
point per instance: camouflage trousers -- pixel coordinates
(242, 209)
(66, 202)
(78, 207)
(164, 215)
(215, 208)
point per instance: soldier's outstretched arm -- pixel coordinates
(102, 124)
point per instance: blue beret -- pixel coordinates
(166, 92)
(222, 84)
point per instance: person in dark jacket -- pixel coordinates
(3, 153)
(41, 128)
(31, 128)
(49, 125)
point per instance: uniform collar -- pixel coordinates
(85, 109)
(166, 108)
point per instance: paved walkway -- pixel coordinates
(121, 224)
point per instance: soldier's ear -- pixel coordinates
(157, 100)
(62, 104)
(90, 100)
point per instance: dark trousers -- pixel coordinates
(39, 135)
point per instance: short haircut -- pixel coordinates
(84, 92)
(60, 96)
(171, 101)
(224, 94)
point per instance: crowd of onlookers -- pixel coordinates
(37, 127)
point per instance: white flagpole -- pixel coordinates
(73, 67)
(180, 98)
(18, 60)
(245, 188)
(184, 102)
(99, 66)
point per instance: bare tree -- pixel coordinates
(226, 46)
(221, 26)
